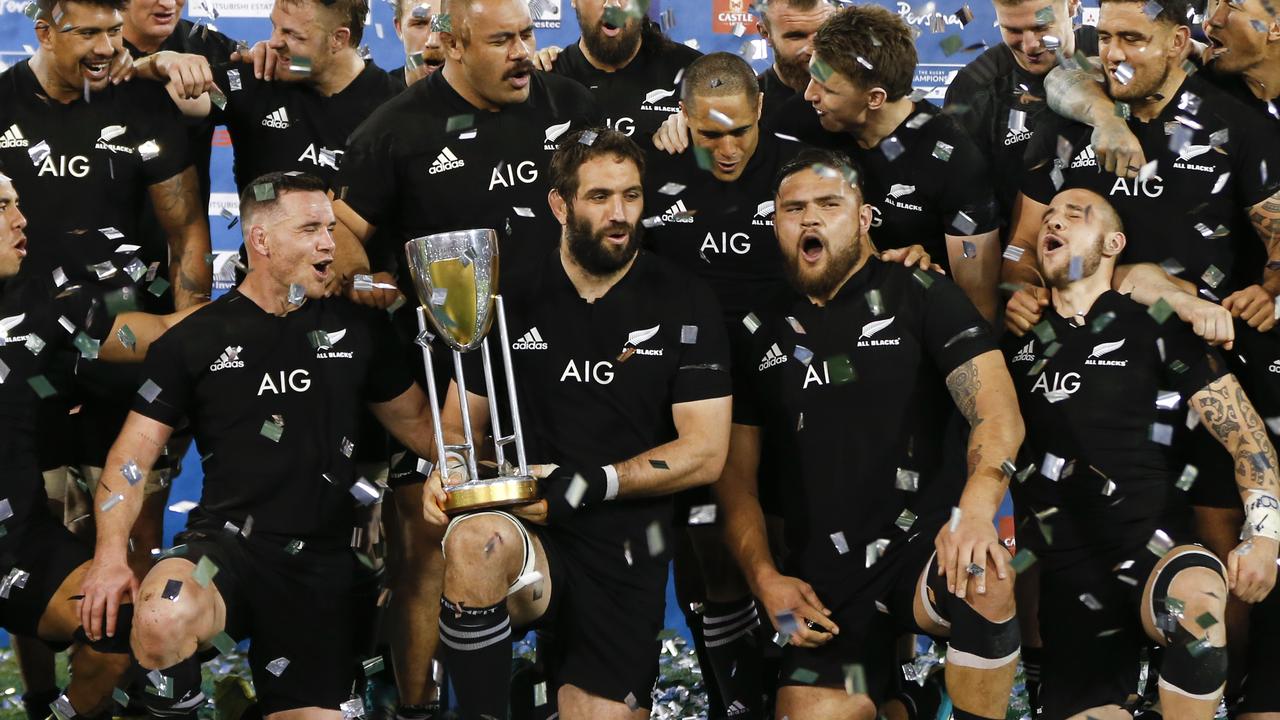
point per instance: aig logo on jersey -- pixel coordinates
(230, 358)
(870, 330)
(1103, 349)
(600, 373)
(764, 214)
(531, 340)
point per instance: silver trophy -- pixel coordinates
(456, 275)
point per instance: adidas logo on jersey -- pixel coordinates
(446, 160)
(1026, 354)
(13, 138)
(1014, 136)
(1275, 366)
(772, 357)
(1086, 158)
(531, 340)
(230, 358)
(278, 119)
(677, 213)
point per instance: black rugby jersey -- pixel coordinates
(428, 161)
(636, 99)
(274, 408)
(856, 393)
(1102, 403)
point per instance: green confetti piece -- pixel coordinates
(87, 346)
(1206, 620)
(1044, 16)
(820, 70)
(458, 123)
(120, 696)
(1187, 478)
(1011, 288)
(1174, 606)
(703, 158)
(1199, 647)
(442, 23)
(204, 572)
(127, 338)
(804, 676)
(272, 430)
(840, 369)
(1122, 110)
(1101, 322)
(1045, 332)
(373, 666)
(42, 386)
(1160, 310)
(263, 192)
(951, 45)
(1038, 366)
(158, 287)
(922, 277)
(1178, 366)
(1023, 560)
(1052, 349)
(295, 546)
(224, 643)
(122, 300)
(855, 680)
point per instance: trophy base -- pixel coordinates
(494, 493)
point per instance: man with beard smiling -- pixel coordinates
(622, 370)
(851, 377)
(626, 62)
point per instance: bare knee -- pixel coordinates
(997, 604)
(1202, 592)
(165, 630)
(484, 553)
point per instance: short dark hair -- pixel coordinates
(717, 75)
(869, 45)
(1172, 12)
(264, 192)
(581, 146)
(349, 13)
(817, 159)
(47, 7)
(800, 5)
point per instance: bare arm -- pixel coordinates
(145, 328)
(117, 504)
(1077, 95)
(1149, 284)
(979, 274)
(738, 492)
(1265, 217)
(984, 393)
(408, 418)
(186, 226)
(694, 458)
(1226, 412)
(1026, 226)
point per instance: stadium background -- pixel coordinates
(709, 25)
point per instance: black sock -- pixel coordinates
(1031, 659)
(729, 631)
(477, 657)
(37, 702)
(173, 692)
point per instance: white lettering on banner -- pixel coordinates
(231, 8)
(933, 78)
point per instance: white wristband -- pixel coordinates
(611, 480)
(1262, 515)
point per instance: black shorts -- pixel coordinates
(49, 552)
(1091, 624)
(1261, 692)
(600, 631)
(299, 607)
(872, 608)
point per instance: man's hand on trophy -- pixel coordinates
(565, 489)
(435, 496)
(534, 512)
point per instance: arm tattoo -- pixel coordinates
(1265, 217)
(178, 209)
(1228, 414)
(964, 384)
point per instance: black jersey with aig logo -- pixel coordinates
(1193, 210)
(38, 324)
(597, 382)
(83, 168)
(1101, 408)
(991, 90)
(923, 182)
(273, 408)
(428, 161)
(282, 126)
(856, 390)
(721, 231)
(636, 99)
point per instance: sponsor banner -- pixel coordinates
(934, 78)
(546, 13)
(728, 15)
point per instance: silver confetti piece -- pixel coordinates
(1051, 466)
(840, 543)
(908, 480)
(277, 667)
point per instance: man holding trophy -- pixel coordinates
(621, 377)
